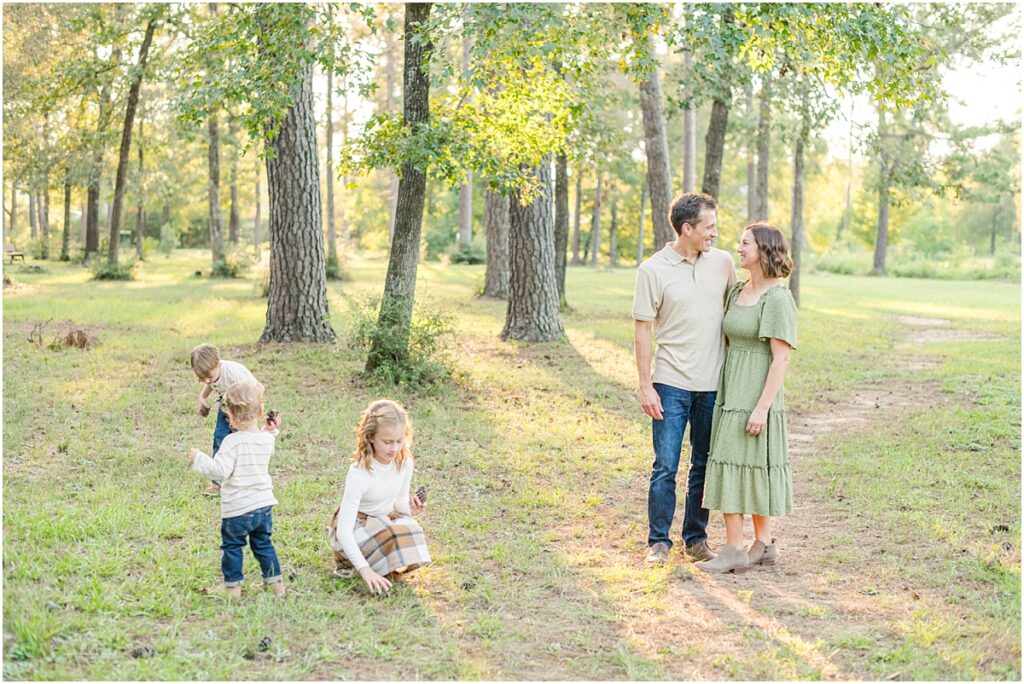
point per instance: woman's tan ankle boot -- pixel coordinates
(729, 559)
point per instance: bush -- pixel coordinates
(336, 268)
(105, 270)
(168, 239)
(424, 362)
(235, 264)
(473, 253)
(846, 263)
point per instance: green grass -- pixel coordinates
(536, 459)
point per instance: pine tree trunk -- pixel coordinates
(466, 189)
(532, 313)
(576, 219)
(763, 150)
(14, 212)
(659, 175)
(213, 194)
(126, 143)
(44, 220)
(796, 241)
(689, 138)
(496, 276)
(613, 233)
(389, 103)
(33, 217)
(640, 226)
(400, 282)
(992, 243)
(751, 161)
(332, 238)
(82, 223)
(715, 147)
(561, 222)
(595, 224)
(882, 236)
(234, 230)
(65, 241)
(140, 224)
(297, 309)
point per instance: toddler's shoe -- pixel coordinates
(224, 590)
(276, 587)
(212, 490)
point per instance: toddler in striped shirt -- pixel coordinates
(246, 494)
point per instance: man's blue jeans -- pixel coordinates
(677, 408)
(257, 526)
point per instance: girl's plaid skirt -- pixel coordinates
(388, 545)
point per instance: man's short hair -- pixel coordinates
(687, 207)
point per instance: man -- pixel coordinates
(680, 292)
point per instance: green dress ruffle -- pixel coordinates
(750, 474)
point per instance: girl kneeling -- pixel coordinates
(373, 531)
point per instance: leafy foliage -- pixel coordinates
(422, 361)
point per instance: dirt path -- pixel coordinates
(698, 626)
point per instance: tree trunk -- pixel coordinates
(213, 194)
(140, 224)
(714, 143)
(595, 224)
(992, 243)
(126, 143)
(640, 226)
(763, 149)
(44, 219)
(332, 237)
(532, 313)
(345, 237)
(33, 217)
(689, 138)
(659, 176)
(65, 241)
(234, 233)
(613, 234)
(14, 212)
(561, 222)
(297, 309)
(796, 242)
(496, 224)
(882, 237)
(751, 161)
(400, 282)
(389, 103)
(256, 238)
(576, 219)
(466, 189)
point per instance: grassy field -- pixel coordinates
(900, 561)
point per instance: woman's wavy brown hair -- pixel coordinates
(773, 250)
(382, 412)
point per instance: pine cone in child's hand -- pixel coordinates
(205, 411)
(421, 494)
(272, 418)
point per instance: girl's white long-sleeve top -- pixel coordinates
(376, 493)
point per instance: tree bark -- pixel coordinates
(256, 239)
(532, 313)
(140, 225)
(466, 189)
(496, 276)
(576, 218)
(882, 236)
(44, 220)
(561, 222)
(14, 212)
(234, 233)
(659, 175)
(389, 103)
(763, 149)
(332, 238)
(992, 242)
(595, 224)
(796, 242)
(297, 309)
(65, 241)
(213, 193)
(751, 161)
(400, 282)
(33, 217)
(715, 147)
(640, 226)
(126, 143)
(689, 138)
(613, 234)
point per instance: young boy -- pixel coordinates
(216, 376)
(247, 495)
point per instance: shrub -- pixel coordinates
(235, 264)
(105, 270)
(336, 269)
(846, 263)
(424, 362)
(168, 239)
(473, 253)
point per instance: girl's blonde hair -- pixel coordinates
(243, 401)
(382, 412)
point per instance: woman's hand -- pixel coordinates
(416, 506)
(757, 421)
(374, 582)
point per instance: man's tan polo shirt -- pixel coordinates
(686, 300)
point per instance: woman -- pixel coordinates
(748, 467)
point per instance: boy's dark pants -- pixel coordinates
(257, 526)
(220, 431)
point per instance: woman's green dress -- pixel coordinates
(750, 474)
